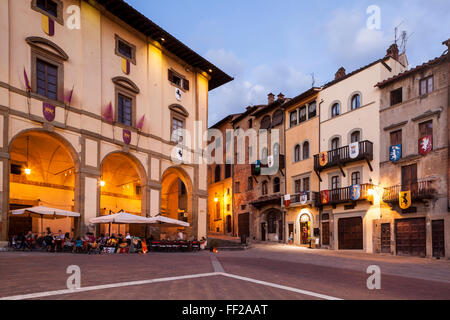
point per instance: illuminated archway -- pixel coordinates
(43, 172)
(176, 199)
(122, 188)
(304, 227)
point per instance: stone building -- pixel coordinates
(92, 95)
(302, 183)
(414, 162)
(348, 162)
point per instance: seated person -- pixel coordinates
(79, 245)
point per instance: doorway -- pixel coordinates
(386, 238)
(263, 231)
(437, 231)
(305, 229)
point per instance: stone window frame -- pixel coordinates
(127, 88)
(118, 39)
(351, 132)
(179, 113)
(330, 112)
(350, 171)
(350, 100)
(185, 86)
(57, 60)
(59, 14)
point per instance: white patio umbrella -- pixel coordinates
(120, 218)
(167, 222)
(45, 213)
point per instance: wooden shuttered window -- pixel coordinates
(178, 80)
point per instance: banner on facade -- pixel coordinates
(355, 192)
(49, 111)
(323, 158)
(425, 145)
(287, 200)
(405, 199)
(48, 25)
(303, 198)
(126, 136)
(395, 152)
(126, 66)
(354, 150)
(325, 197)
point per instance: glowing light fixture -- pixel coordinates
(27, 171)
(102, 183)
(216, 199)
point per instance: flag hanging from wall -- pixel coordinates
(323, 158)
(48, 25)
(355, 192)
(395, 153)
(425, 145)
(405, 199)
(287, 200)
(70, 96)
(49, 111)
(126, 66)
(354, 150)
(325, 197)
(108, 114)
(303, 197)
(140, 124)
(27, 81)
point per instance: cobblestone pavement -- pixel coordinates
(341, 275)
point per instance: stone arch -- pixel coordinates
(138, 165)
(302, 213)
(126, 83)
(179, 109)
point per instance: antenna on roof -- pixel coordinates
(313, 78)
(396, 32)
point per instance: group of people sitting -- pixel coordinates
(90, 244)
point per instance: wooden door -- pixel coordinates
(386, 238)
(410, 235)
(263, 231)
(437, 233)
(325, 233)
(229, 229)
(350, 233)
(244, 224)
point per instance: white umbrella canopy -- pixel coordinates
(168, 222)
(120, 218)
(46, 212)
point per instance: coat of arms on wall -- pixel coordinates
(126, 66)
(126, 136)
(325, 197)
(303, 197)
(395, 152)
(425, 145)
(48, 25)
(323, 158)
(49, 111)
(405, 199)
(354, 150)
(355, 192)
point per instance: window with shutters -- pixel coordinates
(356, 178)
(125, 49)
(302, 115)
(396, 96)
(306, 184)
(409, 177)
(50, 8)
(298, 186)
(293, 118)
(396, 137)
(46, 79)
(335, 182)
(276, 185)
(426, 85)
(355, 137)
(178, 80)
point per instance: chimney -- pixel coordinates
(271, 98)
(280, 96)
(340, 74)
(392, 51)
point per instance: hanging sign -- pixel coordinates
(395, 153)
(323, 158)
(405, 199)
(303, 198)
(325, 197)
(257, 171)
(49, 111)
(425, 145)
(355, 192)
(126, 66)
(354, 150)
(287, 200)
(48, 25)
(126, 136)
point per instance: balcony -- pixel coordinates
(341, 156)
(343, 195)
(311, 198)
(420, 190)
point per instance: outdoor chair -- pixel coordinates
(195, 246)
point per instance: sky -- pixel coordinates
(276, 46)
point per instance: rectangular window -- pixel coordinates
(243, 207)
(396, 96)
(426, 129)
(125, 110)
(237, 186)
(46, 79)
(426, 85)
(306, 184)
(125, 49)
(228, 207)
(409, 177)
(302, 117)
(176, 125)
(356, 178)
(312, 110)
(335, 182)
(250, 184)
(298, 186)
(396, 137)
(250, 123)
(49, 6)
(293, 118)
(178, 81)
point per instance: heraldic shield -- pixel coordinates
(355, 192)
(405, 199)
(323, 158)
(354, 150)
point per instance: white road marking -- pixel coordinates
(216, 264)
(274, 285)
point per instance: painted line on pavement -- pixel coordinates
(274, 285)
(216, 264)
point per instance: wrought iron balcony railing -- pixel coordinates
(344, 195)
(341, 156)
(420, 190)
(298, 199)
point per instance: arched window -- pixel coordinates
(335, 143)
(266, 122)
(264, 189)
(335, 110)
(355, 137)
(293, 117)
(356, 101)
(306, 150)
(277, 118)
(276, 185)
(217, 174)
(297, 153)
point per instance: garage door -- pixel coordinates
(410, 236)
(350, 233)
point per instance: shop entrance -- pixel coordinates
(305, 229)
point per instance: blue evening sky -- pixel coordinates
(275, 46)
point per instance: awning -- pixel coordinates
(46, 212)
(168, 222)
(121, 218)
